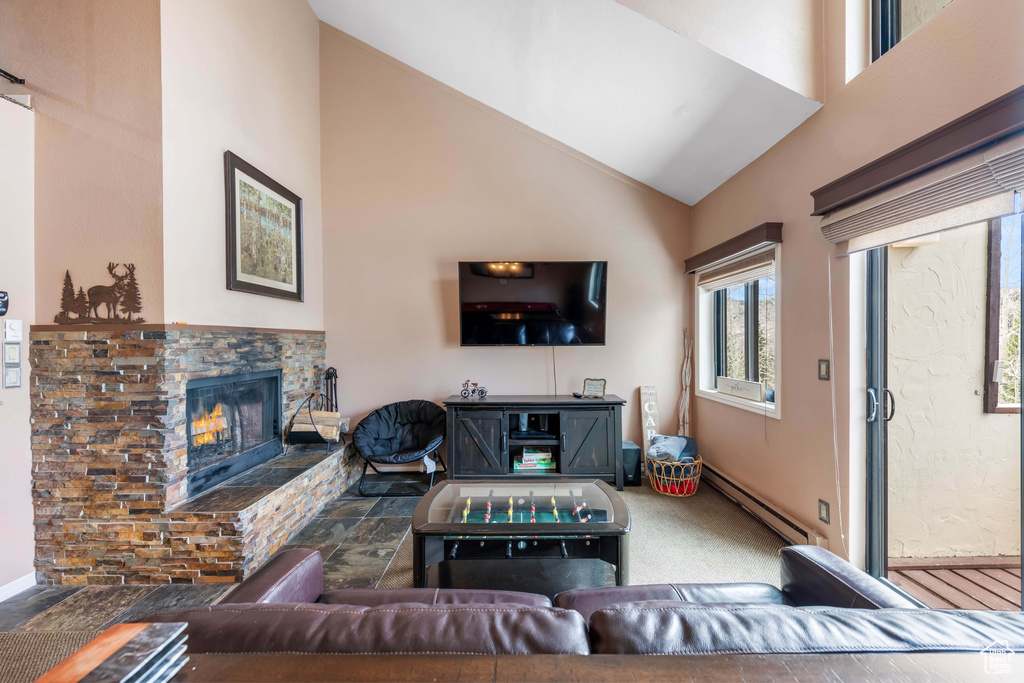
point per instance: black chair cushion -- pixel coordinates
(400, 432)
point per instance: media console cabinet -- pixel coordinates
(486, 436)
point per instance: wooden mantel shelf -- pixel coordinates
(163, 327)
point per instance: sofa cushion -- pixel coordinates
(586, 601)
(669, 628)
(397, 629)
(814, 576)
(375, 597)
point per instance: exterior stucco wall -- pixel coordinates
(954, 471)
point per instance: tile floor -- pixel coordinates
(357, 537)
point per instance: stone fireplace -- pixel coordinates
(156, 451)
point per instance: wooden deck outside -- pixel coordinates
(991, 583)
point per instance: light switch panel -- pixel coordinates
(12, 330)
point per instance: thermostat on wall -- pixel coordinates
(12, 330)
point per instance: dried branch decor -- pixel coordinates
(687, 377)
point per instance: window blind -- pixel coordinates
(737, 272)
(970, 189)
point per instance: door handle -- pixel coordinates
(564, 447)
(872, 405)
(504, 442)
(892, 405)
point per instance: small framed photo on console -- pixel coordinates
(593, 388)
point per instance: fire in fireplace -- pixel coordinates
(234, 424)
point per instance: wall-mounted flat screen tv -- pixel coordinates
(533, 303)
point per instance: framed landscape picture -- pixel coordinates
(264, 232)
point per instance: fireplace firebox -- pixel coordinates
(234, 424)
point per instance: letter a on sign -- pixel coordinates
(648, 414)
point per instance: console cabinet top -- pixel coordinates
(560, 400)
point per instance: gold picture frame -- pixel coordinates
(594, 388)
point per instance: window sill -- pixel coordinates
(761, 408)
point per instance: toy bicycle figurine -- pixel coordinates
(473, 390)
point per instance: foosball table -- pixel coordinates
(539, 535)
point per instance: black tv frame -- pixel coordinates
(604, 287)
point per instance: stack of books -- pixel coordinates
(535, 459)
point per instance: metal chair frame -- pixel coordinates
(367, 462)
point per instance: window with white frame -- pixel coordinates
(738, 332)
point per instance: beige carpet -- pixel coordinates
(25, 657)
(399, 572)
(705, 538)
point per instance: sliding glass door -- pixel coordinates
(943, 415)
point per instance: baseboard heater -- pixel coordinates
(780, 523)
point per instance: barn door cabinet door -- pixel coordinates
(479, 439)
(587, 442)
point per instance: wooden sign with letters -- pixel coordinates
(648, 414)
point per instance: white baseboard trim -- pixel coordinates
(12, 588)
(781, 523)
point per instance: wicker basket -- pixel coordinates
(678, 479)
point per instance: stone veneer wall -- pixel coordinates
(109, 447)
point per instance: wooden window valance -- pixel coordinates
(749, 242)
(989, 123)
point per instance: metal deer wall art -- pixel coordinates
(84, 308)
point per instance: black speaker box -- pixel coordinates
(631, 474)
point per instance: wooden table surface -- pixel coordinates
(834, 667)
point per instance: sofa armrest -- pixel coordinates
(296, 575)
(812, 576)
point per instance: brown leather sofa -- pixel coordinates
(825, 605)
(282, 608)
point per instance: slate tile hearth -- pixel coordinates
(267, 476)
(226, 499)
(304, 459)
(357, 536)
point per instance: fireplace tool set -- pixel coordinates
(317, 419)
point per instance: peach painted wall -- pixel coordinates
(93, 70)
(239, 75)
(969, 54)
(416, 178)
(17, 279)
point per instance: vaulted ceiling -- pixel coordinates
(595, 75)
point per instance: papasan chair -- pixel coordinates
(400, 433)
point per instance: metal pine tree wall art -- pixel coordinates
(117, 303)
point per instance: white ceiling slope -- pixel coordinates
(594, 75)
